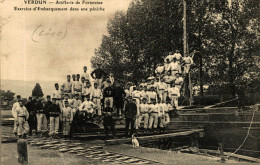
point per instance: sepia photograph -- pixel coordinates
(129, 82)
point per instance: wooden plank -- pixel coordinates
(142, 138)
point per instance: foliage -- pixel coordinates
(6, 95)
(37, 91)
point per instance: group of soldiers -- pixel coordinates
(149, 101)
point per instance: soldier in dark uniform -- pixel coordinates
(98, 74)
(45, 108)
(108, 121)
(32, 121)
(119, 95)
(108, 94)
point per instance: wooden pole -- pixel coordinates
(184, 29)
(22, 151)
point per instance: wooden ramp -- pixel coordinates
(152, 137)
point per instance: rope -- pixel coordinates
(248, 133)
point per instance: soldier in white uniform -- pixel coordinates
(85, 73)
(143, 114)
(161, 88)
(187, 62)
(66, 87)
(96, 96)
(76, 102)
(21, 116)
(169, 58)
(178, 56)
(174, 94)
(153, 119)
(174, 67)
(178, 81)
(67, 118)
(77, 86)
(88, 106)
(136, 95)
(57, 94)
(15, 106)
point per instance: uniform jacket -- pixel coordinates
(21, 112)
(130, 110)
(67, 114)
(54, 110)
(39, 107)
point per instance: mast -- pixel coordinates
(185, 48)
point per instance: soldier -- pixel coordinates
(136, 95)
(40, 114)
(143, 114)
(54, 111)
(21, 116)
(169, 79)
(178, 56)
(85, 74)
(168, 108)
(152, 95)
(159, 70)
(111, 78)
(178, 81)
(98, 74)
(108, 120)
(161, 114)
(108, 94)
(96, 96)
(169, 58)
(46, 118)
(67, 87)
(32, 121)
(16, 105)
(161, 88)
(143, 90)
(174, 94)
(174, 67)
(76, 102)
(143, 84)
(88, 89)
(187, 62)
(119, 99)
(153, 119)
(57, 92)
(66, 99)
(67, 118)
(77, 86)
(130, 115)
(88, 107)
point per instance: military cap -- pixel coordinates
(76, 94)
(78, 74)
(68, 75)
(66, 94)
(73, 75)
(54, 98)
(85, 67)
(18, 96)
(56, 84)
(48, 96)
(66, 101)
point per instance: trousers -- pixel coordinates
(41, 122)
(153, 120)
(97, 101)
(23, 126)
(174, 100)
(54, 125)
(162, 121)
(129, 121)
(66, 127)
(144, 117)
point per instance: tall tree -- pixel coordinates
(37, 91)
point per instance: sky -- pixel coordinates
(29, 53)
